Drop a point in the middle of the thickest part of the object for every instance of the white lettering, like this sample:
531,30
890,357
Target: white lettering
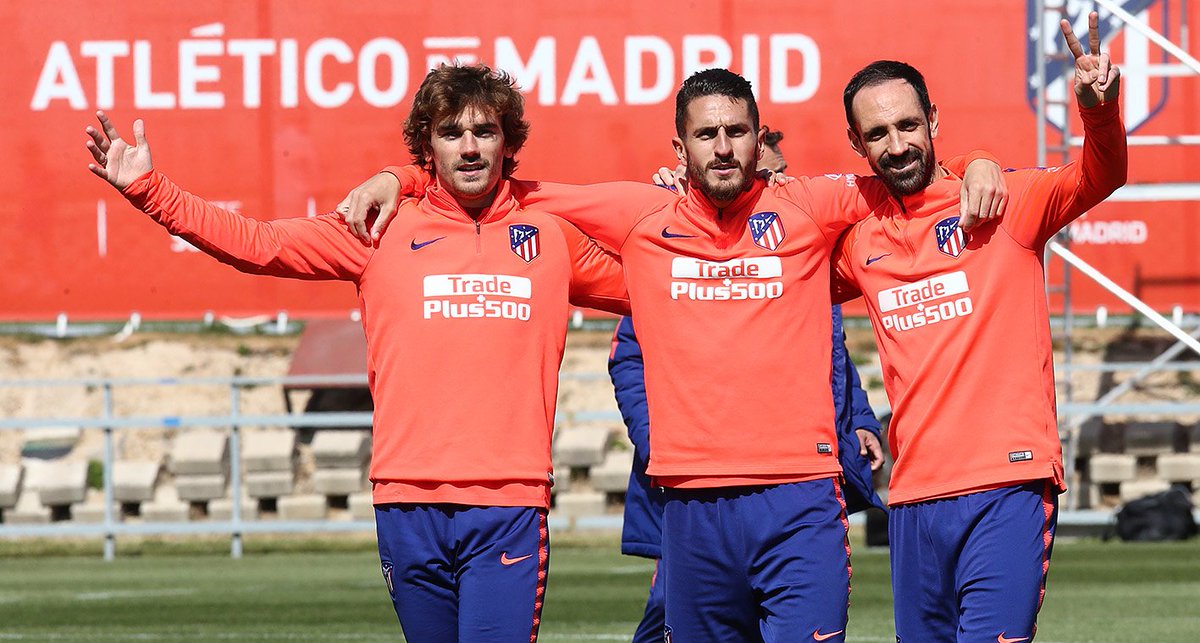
104,51
368,63
929,315
947,285
472,284
810,77
289,74
252,52
589,75
636,91
753,268
705,52
750,61
191,74
58,80
1110,232
144,96
314,60
538,72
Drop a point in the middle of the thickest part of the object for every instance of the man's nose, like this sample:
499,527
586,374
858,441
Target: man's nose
723,145
470,145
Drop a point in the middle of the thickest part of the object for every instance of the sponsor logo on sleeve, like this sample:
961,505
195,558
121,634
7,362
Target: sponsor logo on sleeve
927,302
734,280
473,296
1020,456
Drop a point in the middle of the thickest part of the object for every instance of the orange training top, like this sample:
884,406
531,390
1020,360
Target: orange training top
465,324
962,324
732,309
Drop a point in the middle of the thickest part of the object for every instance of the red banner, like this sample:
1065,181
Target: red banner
277,108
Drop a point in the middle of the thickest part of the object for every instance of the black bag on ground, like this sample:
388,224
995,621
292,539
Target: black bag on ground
1162,516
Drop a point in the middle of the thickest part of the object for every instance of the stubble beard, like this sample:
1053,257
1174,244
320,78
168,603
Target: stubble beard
910,181
716,189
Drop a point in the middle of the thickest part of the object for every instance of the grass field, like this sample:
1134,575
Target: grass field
1098,592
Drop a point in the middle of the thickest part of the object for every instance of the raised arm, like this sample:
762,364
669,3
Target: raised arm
1057,196
302,248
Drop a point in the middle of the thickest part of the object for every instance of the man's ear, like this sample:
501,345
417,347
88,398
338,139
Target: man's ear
855,144
933,121
680,150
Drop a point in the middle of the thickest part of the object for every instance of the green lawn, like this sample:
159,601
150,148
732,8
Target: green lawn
1098,592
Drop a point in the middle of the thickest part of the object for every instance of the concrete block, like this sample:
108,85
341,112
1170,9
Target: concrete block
307,507
269,450
51,442
361,506
612,475
581,446
62,483
562,480
91,511
1135,489
341,449
28,510
10,484
198,452
1153,438
269,484
338,482
165,507
1178,467
1193,436
200,488
578,504
1112,467
134,480
221,509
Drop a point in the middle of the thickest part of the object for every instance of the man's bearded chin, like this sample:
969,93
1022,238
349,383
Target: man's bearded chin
910,181
717,190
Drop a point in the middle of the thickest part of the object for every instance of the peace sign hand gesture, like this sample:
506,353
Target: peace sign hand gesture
118,162
1097,80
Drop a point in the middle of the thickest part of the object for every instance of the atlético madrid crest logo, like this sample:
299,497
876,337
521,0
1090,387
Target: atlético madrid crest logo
951,239
767,230
524,241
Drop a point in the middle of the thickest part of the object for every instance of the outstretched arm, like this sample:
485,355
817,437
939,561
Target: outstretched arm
305,248
1056,196
118,162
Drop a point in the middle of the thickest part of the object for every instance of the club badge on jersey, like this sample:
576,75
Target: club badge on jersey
524,241
951,240
767,230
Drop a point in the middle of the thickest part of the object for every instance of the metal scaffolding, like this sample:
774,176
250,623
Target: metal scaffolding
1051,82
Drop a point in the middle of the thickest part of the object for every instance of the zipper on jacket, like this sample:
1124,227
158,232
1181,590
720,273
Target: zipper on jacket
478,243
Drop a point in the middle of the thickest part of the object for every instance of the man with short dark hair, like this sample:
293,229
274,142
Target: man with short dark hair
731,288
963,331
463,308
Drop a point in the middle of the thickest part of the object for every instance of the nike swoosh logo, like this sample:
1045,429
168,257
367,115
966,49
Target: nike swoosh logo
506,561
672,235
1004,639
417,246
818,636
871,260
